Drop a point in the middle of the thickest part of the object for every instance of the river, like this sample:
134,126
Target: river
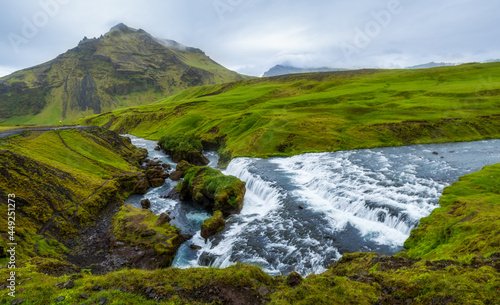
302,213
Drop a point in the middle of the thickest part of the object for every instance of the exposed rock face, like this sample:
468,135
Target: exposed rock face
176,176
213,225
89,78
155,176
145,204
183,166
80,95
162,219
142,185
211,188
180,170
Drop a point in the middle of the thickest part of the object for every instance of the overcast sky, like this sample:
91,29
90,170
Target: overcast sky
251,36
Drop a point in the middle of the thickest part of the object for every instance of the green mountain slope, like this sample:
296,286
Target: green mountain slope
122,68
62,181
329,111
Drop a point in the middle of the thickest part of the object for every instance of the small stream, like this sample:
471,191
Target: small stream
302,213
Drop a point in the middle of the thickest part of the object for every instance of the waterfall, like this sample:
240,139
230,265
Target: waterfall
302,213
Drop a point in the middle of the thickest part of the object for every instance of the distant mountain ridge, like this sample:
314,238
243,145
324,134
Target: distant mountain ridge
444,64
285,69
432,65
125,67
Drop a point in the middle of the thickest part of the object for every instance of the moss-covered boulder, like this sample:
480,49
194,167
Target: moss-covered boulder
180,170
211,188
144,239
213,225
142,185
184,147
183,166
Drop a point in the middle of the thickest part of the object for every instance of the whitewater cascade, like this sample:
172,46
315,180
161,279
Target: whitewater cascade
302,213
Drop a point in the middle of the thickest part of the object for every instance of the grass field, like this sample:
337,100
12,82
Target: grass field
330,111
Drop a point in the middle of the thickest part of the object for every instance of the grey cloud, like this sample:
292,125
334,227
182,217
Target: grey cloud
253,35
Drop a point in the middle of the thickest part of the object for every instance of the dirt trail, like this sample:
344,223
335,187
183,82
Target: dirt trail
13,132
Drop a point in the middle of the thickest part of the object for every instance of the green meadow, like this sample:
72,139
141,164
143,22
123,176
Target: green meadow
294,114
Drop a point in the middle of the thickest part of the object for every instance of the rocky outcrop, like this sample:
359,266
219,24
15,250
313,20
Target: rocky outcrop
212,225
145,204
142,185
180,170
184,148
154,176
144,240
211,188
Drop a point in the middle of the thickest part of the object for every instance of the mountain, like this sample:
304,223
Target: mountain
283,70
125,67
432,65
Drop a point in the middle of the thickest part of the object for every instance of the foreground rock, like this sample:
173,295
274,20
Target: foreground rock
212,225
146,203
144,240
210,188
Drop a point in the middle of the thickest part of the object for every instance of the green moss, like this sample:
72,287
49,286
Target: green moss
213,225
181,142
352,280
210,186
51,249
467,223
184,148
139,227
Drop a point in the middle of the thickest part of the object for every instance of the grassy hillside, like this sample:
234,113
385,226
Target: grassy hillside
415,276
62,181
125,67
329,111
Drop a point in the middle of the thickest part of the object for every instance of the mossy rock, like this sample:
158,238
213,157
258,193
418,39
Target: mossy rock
211,188
184,147
142,229
183,166
213,225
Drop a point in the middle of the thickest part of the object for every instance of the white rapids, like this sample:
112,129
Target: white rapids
302,213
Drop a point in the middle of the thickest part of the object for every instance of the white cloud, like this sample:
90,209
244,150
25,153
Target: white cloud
254,35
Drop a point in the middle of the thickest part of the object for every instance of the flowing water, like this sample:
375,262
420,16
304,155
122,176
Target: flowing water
302,213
